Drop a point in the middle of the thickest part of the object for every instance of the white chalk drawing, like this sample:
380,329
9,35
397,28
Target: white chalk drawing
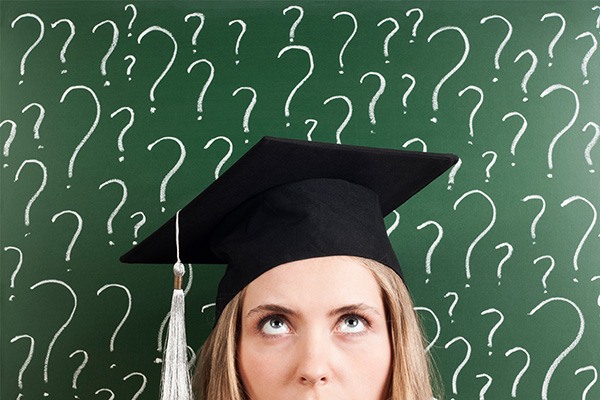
33,46
138,225
240,36
63,326
436,91
132,61
313,126
491,164
308,74
120,325
515,385
246,121
486,386
39,190
555,139
133,17
539,214
63,51
495,327
437,325
504,41
438,239
509,252
200,104
81,366
355,24
225,157
182,154
300,10
202,19
338,132
395,224
413,82
416,140
588,55
453,305
530,71
376,96
113,45
462,363
27,360
142,386
592,383
588,149
38,122
92,128
569,348
558,34
589,229
77,231
19,264
113,214
386,41
547,273
417,22
522,129
475,109
120,145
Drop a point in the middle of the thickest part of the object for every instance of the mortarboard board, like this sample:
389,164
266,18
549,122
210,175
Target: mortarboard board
286,200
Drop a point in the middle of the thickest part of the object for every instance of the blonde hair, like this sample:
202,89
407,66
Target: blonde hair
412,374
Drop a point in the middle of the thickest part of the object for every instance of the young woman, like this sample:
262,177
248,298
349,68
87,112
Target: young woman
312,305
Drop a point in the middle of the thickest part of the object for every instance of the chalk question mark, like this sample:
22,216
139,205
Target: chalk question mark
437,324
376,96
112,394
90,131
491,164
504,41
120,325
225,158
569,348
386,42
558,34
475,109
486,386
338,132
416,140
433,246
417,22
165,181
142,386
515,384
314,123
137,226
591,144
509,253
27,360
530,71
63,326
395,224
113,214
436,90
545,277
80,368
11,136
38,122
409,90
589,386
63,51
169,64
198,29
588,55
75,235
538,216
483,233
297,22
245,123
310,71
206,84
555,139
522,129
39,190
37,41
462,363
239,38
495,327
453,305
18,267
588,231
131,64
340,58
125,129
113,45
133,16
452,174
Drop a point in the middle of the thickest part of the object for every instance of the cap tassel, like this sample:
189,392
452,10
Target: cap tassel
176,382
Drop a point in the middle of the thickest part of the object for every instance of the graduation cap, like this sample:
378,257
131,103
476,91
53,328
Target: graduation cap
286,200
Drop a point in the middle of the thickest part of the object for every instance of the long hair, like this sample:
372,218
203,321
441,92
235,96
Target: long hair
216,376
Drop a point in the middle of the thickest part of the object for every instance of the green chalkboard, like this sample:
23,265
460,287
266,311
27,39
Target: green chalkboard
115,115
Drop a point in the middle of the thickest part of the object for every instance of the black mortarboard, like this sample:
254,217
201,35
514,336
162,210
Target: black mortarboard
287,200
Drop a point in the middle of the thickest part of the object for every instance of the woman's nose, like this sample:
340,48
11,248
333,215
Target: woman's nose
314,359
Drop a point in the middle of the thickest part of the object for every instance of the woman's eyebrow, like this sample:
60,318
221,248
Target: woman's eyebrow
272,308
353,308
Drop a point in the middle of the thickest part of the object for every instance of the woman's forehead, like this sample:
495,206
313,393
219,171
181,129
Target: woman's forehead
328,282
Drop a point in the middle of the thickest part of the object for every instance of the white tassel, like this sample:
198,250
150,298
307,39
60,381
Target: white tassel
176,382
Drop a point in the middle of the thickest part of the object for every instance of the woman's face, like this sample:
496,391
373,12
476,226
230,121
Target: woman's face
314,330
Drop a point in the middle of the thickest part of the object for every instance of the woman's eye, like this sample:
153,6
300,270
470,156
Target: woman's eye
352,324
274,326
